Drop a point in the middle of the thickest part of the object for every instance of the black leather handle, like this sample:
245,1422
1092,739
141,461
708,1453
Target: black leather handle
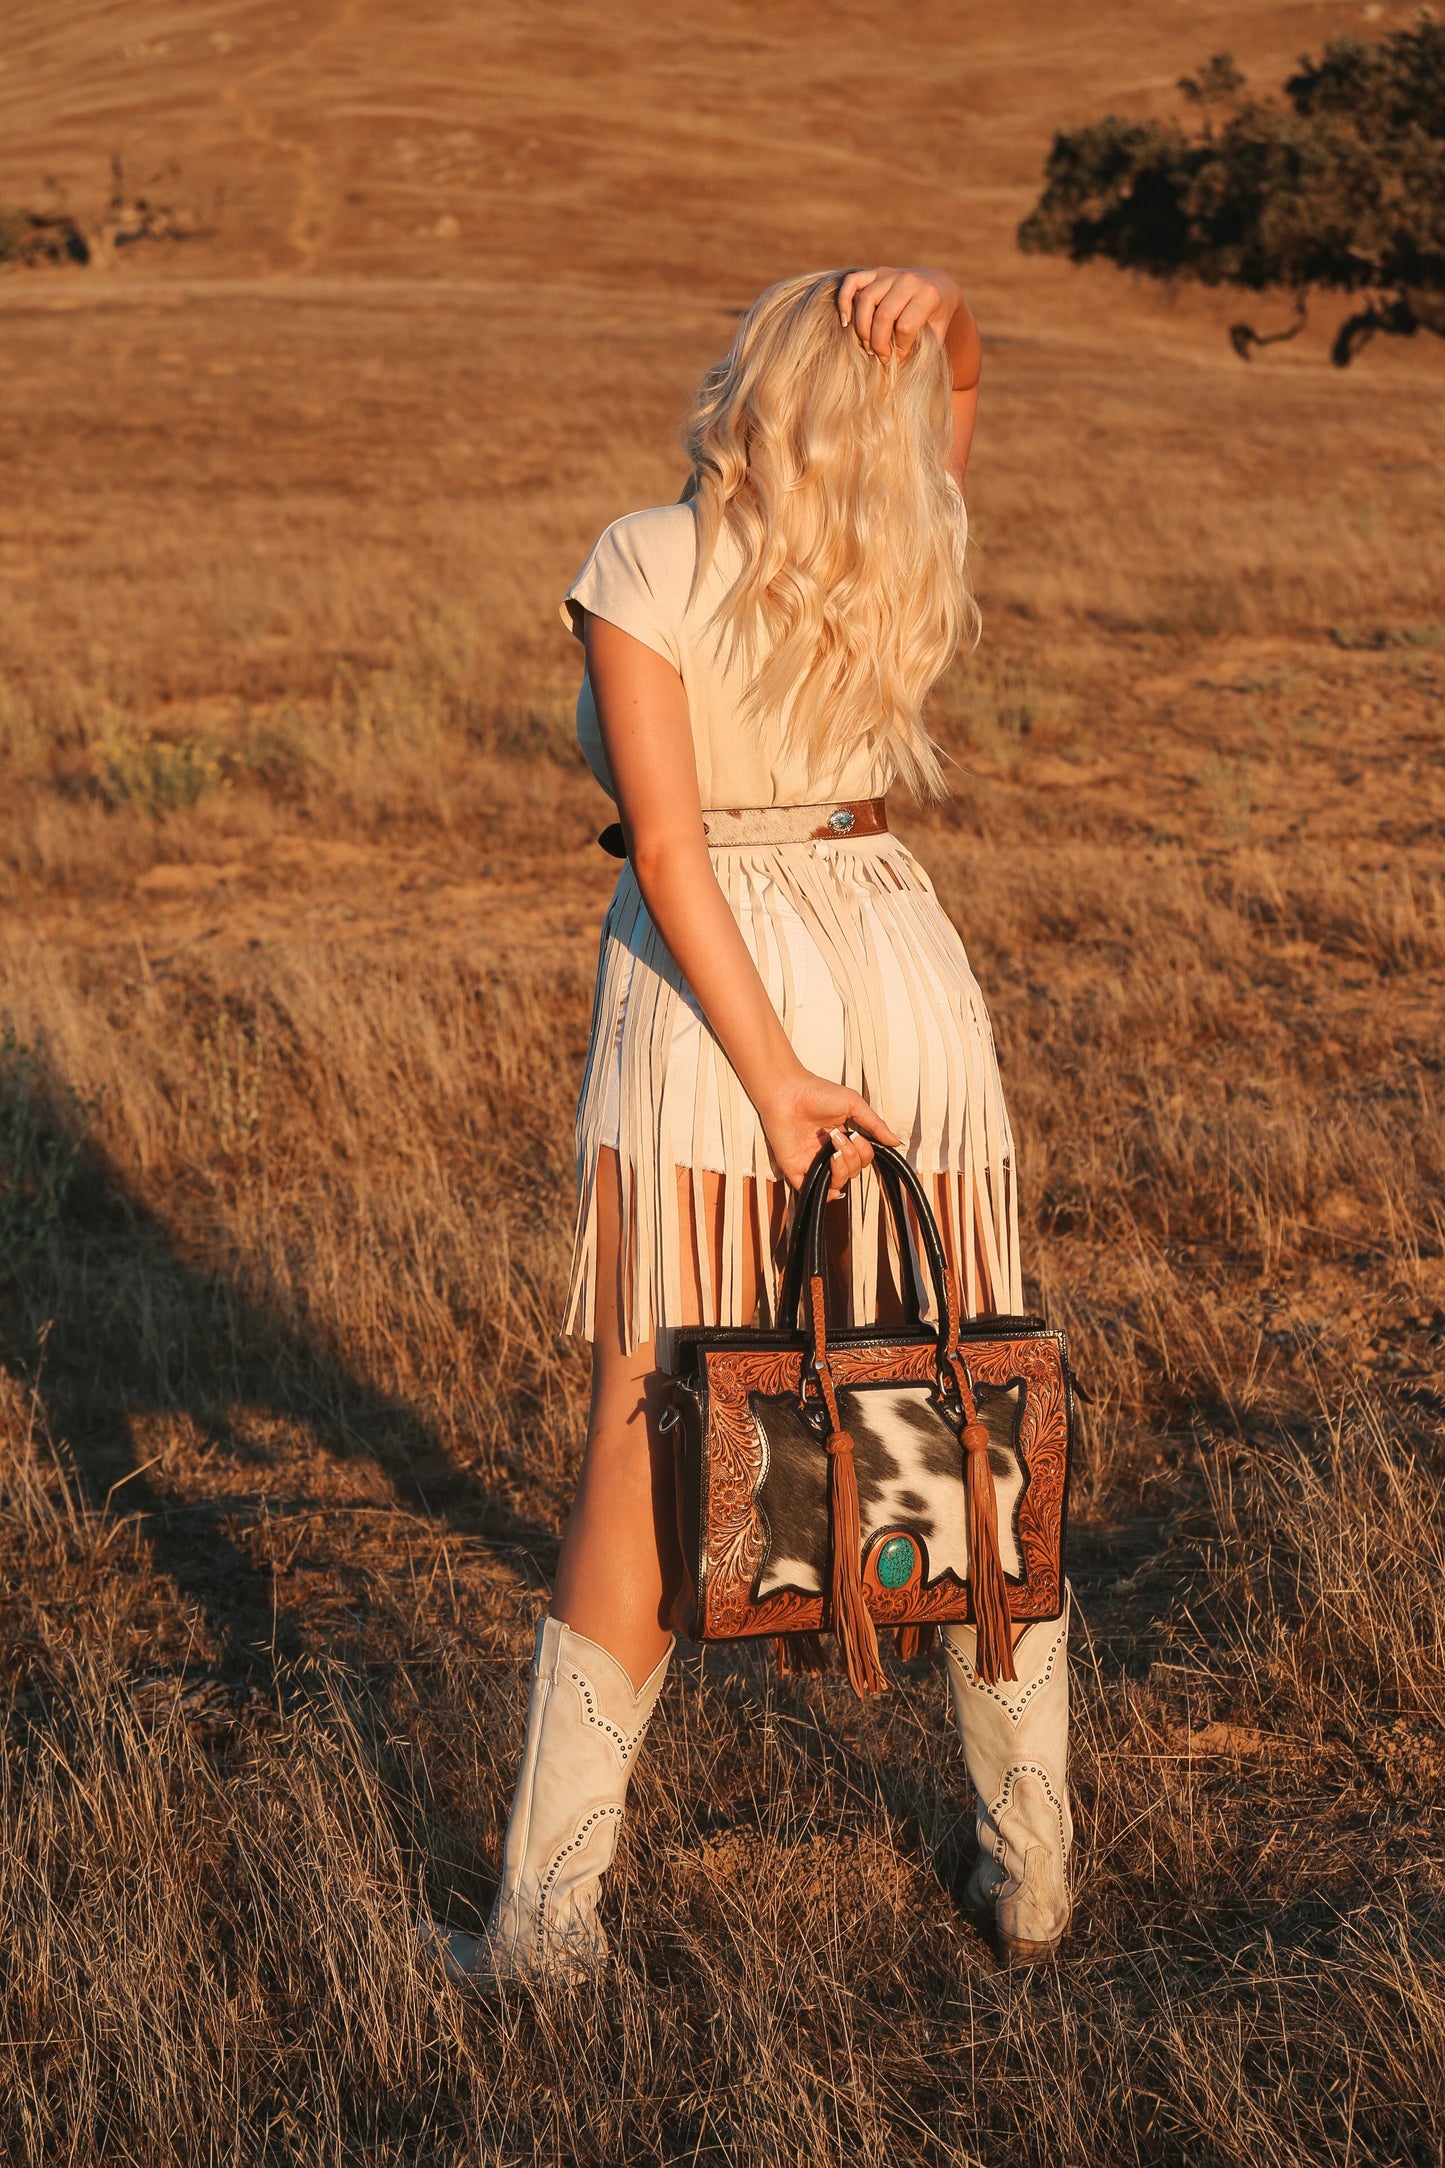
790,1293
898,1176
805,1251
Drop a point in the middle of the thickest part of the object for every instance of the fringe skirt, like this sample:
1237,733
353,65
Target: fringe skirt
874,989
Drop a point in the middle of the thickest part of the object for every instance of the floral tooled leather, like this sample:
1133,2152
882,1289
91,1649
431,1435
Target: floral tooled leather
733,1536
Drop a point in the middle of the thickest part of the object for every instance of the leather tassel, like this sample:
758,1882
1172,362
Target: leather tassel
851,1620
993,1626
915,1641
794,1653
848,1613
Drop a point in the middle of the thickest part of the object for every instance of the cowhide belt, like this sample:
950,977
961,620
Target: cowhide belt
734,827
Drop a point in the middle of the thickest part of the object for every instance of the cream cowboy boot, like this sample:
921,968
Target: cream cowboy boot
584,1725
1015,1740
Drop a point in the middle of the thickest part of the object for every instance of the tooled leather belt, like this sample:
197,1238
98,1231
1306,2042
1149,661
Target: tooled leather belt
728,827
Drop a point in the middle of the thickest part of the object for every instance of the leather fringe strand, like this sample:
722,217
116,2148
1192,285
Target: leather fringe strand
852,1620
993,1625
848,1613
799,1652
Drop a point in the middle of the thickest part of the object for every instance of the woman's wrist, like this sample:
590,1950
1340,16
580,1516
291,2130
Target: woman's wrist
773,1093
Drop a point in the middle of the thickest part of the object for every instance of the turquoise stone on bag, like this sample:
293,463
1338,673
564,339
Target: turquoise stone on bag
895,1562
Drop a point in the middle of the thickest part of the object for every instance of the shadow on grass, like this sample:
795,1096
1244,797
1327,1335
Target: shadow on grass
108,1322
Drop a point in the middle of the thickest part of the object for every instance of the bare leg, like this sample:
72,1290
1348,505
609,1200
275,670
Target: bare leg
619,1562
620,1567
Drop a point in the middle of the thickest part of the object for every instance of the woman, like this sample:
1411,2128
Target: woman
775,973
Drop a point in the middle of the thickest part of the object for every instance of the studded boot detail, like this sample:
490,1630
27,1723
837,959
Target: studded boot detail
1015,1736
584,1726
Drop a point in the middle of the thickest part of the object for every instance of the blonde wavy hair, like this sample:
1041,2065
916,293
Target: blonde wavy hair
828,469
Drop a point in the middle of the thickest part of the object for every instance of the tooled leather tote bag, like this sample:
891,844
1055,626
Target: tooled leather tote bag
842,1479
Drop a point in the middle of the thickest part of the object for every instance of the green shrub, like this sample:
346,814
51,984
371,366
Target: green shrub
157,775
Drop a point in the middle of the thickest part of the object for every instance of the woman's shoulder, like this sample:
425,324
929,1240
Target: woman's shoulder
660,539
639,576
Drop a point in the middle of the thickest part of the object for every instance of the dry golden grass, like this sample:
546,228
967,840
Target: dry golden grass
300,902
282,1499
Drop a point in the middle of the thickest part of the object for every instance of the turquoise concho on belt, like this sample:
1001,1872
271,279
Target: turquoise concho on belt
843,820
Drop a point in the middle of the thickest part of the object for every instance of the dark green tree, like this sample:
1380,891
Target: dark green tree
1340,188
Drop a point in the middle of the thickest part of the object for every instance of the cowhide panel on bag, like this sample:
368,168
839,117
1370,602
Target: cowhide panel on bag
909,1466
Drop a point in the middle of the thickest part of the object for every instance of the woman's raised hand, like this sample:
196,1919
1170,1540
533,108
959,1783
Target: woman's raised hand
889,308
804,1113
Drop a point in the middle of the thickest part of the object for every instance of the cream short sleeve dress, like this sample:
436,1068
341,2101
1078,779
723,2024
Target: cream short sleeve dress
863,965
